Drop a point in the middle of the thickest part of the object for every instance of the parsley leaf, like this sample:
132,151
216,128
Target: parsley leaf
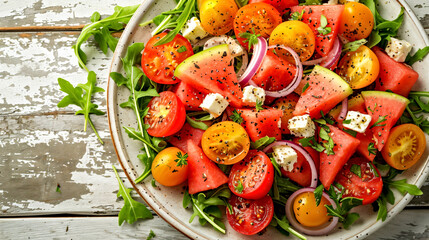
311,142
310,2
251,38
236,117
262,142
181,160
351,132
151,235
75,96
182,49
239,187
318,194
371,149
379,121
356,170
419,55
347,121
323,23
305,87
297,15
132,210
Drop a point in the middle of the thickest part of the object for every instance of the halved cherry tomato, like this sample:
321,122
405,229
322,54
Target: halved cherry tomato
296,35
253,177
404,147
261,18
357,21
287,105
217,15
166,115
367,186
308,213
359,68
250,216
168,168
159,62
226,142
280,5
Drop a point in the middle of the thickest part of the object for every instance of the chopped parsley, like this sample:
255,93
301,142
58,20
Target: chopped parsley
323,23
371,149
236,117
379,121
356,170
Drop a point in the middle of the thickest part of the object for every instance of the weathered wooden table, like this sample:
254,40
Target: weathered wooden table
42,146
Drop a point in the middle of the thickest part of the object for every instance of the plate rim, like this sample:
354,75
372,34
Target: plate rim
115,134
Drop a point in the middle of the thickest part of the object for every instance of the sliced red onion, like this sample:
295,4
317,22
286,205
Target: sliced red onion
344,109
166,30
304,152
315,231
224,117
259,52
314,62
296,80
333,55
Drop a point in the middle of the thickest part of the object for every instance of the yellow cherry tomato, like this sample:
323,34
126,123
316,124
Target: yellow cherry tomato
404,147
296,35
217,16
357,21
170,168
359,68
306,211
225,142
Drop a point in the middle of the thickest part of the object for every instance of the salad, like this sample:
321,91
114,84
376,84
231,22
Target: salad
276,113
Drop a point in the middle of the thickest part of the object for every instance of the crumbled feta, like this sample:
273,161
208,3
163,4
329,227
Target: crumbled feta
285,156
215,104
302,126
346,1
279,123
359,122
398,49
234,46
252,94
332,2
193,31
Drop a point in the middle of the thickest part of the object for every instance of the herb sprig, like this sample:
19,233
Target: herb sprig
415,110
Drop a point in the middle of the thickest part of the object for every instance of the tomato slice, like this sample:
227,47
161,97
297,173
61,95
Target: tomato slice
250,216
225,142
253,177
166,115
159,62
404,147
367,186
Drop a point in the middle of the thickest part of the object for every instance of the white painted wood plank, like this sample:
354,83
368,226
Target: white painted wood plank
409,224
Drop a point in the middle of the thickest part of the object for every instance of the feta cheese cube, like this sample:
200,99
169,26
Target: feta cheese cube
302,126
215,104
234,46
398,49
252,94
285,156
331,2
193,31
359,122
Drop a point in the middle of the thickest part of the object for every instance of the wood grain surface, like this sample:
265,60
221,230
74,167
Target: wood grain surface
42,146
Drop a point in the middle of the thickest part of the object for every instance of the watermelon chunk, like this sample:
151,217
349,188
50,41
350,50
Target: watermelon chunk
325,90
187,132
203,174
394,76
330,165
311,17
190,96
212,70
385,109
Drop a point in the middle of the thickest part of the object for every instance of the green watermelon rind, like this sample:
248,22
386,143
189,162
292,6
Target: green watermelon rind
338,81
386,95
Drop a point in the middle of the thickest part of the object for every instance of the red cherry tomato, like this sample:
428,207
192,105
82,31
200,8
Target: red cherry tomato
367,186
252,177
280,5
159,62
250,216
166,115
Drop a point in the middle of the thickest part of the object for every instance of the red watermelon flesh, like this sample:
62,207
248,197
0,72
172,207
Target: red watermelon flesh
212,70
311,17
394,76
325,90
330,165
385,108
203,174
190,96
187,132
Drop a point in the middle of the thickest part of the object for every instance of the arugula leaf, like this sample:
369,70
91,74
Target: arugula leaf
318,194
356,170
236,117
371,149
181,160
379,121
262,142
75,96
382,209
349,131
403,187
196,124
151,235
251,38
284,224
311,142
353,46
241,3
323,23
419,55
153,183
132,210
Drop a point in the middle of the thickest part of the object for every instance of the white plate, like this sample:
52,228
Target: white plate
167,202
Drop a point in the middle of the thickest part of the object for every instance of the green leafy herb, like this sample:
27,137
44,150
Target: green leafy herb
58,188
151,235
297,15
311,142
323,23
318,192
305,87
310,2
371,149
379,121
328,144
239,187
259,105
236,117
262,142
353,46
419,55
356,170
283,223
181,160
241,3
327,119
347,121
373,169
153,183
372,111
76,97
415,110
182,49
196,124
251,38
132,210
276,166
351,132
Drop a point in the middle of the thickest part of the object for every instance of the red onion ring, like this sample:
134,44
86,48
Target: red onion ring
310,231
259,52
314,62
166,30
224,117
304,152
344,109
296,80
333,55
